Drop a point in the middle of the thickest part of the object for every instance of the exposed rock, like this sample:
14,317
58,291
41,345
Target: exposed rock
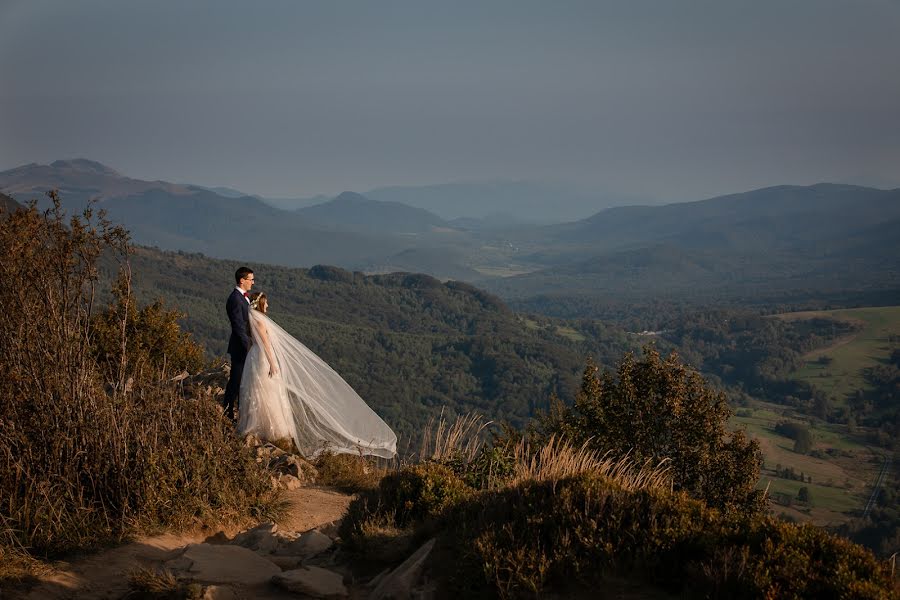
399,584
378,578
307,545
289,482
331,529
285,563
261,539
218,592
223,564
312,581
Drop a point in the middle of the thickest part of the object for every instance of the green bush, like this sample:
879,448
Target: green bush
349,473
538,538
655,409
403,500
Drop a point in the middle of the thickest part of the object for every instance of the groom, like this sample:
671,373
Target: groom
238,309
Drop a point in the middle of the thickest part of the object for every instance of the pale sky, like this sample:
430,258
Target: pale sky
668,99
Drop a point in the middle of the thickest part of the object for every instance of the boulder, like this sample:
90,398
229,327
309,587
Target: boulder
289,482
306,546
290,464
261,539
312,581
222,565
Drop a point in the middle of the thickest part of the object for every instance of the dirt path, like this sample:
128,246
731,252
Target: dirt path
104,575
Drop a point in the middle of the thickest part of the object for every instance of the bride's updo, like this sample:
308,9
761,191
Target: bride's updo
258,301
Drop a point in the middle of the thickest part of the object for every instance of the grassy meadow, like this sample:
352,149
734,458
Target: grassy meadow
842,474
843,375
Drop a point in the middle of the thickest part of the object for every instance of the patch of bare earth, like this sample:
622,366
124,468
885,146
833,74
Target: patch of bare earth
104,575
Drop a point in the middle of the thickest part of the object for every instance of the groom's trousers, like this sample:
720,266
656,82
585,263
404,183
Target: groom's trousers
233,389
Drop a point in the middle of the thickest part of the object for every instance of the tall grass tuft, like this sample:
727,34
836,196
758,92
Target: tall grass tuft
558,459
460,440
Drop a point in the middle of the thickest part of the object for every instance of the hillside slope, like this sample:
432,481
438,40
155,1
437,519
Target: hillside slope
409,344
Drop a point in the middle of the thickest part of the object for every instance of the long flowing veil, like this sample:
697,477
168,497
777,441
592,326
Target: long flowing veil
326,413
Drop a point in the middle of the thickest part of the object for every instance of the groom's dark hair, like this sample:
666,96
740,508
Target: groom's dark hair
241,273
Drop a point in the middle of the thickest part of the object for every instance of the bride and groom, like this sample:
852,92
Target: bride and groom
283,390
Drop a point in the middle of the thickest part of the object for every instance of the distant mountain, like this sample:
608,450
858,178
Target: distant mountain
190,218
7,204
527,202
786,214
354,212
294,203
226,192
79,181
768,243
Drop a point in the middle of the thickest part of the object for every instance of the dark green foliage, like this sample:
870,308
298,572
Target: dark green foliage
409,344
536,537
569,536
654,410
407,498
798,432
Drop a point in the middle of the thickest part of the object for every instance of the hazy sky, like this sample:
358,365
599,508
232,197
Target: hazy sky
675,99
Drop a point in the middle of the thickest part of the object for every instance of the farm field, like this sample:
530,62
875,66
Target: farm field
842,375
843,469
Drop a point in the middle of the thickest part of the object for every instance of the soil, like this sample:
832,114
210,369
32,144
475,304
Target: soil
104,574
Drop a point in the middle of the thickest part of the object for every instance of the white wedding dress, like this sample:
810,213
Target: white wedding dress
306,400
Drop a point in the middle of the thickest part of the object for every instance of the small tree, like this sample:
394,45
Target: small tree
655,409
802,441
803,496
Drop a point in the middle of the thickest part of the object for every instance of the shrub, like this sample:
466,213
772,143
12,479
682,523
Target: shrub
404,499
529,539
348,472
656,409
85,459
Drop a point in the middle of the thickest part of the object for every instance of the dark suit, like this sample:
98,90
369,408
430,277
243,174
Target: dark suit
239,343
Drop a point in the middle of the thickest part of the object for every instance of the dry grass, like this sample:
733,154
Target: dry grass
350,473
558,459
161,584
93,448
461,440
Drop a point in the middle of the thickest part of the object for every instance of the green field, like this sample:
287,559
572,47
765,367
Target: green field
843,376
841,480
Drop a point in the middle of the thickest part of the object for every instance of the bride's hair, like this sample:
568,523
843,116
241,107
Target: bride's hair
258,301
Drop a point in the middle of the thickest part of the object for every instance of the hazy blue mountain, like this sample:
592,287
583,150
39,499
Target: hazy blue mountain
352,211
529,202
767,242
799,239
8,204
190,218
226,192
790,214
78,180
294,203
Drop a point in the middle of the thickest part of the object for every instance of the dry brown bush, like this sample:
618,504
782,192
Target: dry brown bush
88,452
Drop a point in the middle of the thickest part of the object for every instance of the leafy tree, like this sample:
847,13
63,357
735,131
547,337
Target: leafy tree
803,441
804,496
655,409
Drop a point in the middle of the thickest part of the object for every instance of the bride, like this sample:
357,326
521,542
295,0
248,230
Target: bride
289,392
